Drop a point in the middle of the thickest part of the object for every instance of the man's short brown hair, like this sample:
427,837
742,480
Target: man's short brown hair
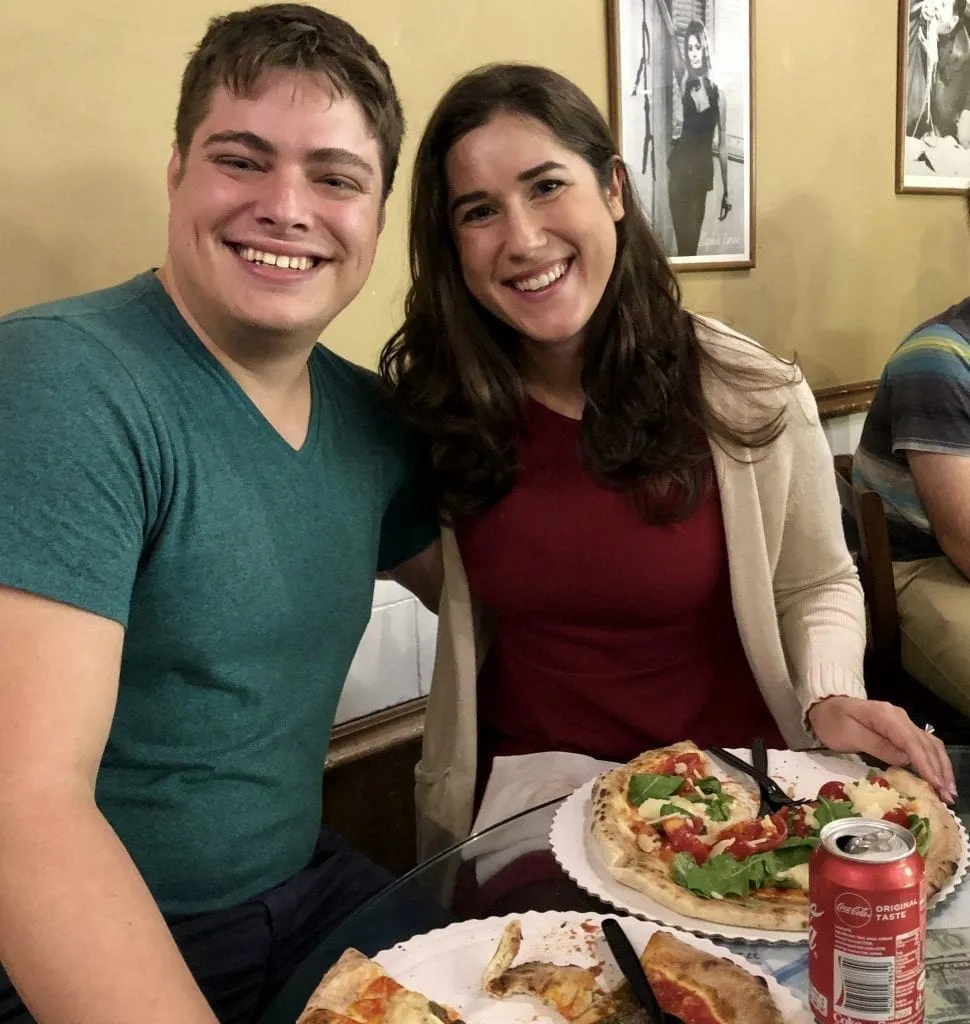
238,49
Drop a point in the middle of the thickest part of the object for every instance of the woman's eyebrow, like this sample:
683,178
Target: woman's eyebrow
532,172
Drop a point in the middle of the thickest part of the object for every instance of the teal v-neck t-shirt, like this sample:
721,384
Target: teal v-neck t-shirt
139,482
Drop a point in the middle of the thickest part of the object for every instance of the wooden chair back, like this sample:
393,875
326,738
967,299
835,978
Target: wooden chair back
875,564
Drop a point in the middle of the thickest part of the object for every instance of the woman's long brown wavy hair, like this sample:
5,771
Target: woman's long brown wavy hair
453,366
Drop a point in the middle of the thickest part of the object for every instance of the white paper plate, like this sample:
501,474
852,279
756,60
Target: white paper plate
446,965
800,774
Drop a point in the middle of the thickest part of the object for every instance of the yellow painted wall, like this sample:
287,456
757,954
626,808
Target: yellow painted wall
844,265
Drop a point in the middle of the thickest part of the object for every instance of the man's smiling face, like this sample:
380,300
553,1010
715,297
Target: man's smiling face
275,210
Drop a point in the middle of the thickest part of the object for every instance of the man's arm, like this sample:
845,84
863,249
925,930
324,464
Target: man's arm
423,575
80,935
943,484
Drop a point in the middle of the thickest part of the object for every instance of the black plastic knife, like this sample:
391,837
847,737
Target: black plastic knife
629,963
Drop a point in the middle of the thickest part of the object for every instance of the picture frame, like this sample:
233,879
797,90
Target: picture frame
933,97
682,110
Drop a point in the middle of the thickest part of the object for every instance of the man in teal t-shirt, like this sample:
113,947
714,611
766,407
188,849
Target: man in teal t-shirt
196,498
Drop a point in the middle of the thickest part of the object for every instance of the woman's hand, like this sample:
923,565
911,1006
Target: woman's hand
853,725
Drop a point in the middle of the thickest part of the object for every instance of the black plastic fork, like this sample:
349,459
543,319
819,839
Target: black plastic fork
759,761
771,793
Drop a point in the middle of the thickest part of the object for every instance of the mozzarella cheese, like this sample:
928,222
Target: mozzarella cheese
870,800
406,1007
810,818
648,843
650,808
740,809
797,874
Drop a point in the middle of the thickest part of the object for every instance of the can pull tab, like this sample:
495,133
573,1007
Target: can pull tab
876,841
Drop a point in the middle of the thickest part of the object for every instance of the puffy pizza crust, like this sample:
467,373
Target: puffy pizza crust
340,986
946,846
733,995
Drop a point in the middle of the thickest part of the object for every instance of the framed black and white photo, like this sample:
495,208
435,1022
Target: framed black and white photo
933,96
681,108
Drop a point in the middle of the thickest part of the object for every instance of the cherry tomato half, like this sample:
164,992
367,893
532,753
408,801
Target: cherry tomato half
752,837
833,791
897,816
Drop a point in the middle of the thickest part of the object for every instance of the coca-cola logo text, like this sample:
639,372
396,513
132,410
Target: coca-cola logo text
853,910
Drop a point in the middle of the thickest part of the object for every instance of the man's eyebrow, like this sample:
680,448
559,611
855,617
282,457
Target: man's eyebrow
249,139
336,155
323,155
528,175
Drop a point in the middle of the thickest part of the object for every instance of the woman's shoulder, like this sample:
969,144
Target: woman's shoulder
742,378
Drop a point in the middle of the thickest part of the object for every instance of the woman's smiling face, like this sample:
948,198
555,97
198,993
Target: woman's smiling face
534,228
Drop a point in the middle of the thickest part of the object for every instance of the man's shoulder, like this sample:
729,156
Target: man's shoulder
358,390
937,343
102,323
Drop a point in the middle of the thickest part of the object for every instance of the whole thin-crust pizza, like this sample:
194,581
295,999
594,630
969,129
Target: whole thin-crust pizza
691,840
357,990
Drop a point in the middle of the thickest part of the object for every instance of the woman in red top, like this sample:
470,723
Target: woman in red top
546,354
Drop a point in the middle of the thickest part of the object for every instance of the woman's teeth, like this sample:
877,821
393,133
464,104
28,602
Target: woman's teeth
533,284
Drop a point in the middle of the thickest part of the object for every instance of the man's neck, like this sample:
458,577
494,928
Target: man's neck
273,373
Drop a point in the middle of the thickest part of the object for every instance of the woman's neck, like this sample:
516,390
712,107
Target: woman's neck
552,375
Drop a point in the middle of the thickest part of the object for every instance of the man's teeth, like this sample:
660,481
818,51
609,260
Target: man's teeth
533,284
273,260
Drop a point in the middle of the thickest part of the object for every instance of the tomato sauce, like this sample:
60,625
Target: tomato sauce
679,1000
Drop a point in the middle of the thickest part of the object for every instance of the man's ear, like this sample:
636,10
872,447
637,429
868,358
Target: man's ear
173,176
382,217
614,190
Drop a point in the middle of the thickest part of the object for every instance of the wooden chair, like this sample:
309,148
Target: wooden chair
886,679
875,563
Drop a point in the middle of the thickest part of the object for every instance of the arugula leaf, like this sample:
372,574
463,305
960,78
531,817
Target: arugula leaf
791,841
920,827
674,809
785,857
683,863
721,874
832,810
717,810
710,784
645,785
729,877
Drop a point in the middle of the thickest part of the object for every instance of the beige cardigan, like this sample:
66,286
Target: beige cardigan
794,587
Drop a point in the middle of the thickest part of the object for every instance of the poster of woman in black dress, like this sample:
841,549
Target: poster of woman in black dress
691,166
682,112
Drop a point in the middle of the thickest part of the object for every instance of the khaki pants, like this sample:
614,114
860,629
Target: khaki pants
934,618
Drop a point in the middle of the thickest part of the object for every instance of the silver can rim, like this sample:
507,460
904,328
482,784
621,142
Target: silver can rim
834,830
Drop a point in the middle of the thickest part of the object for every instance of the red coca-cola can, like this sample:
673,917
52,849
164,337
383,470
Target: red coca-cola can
867,927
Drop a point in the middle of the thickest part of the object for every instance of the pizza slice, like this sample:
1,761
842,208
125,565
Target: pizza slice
697,987
357,990
704,989
571,991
